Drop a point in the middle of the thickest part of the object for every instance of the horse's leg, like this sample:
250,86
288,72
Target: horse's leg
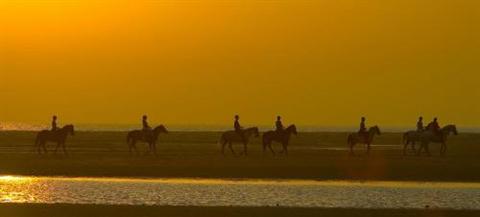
39,148
271,149
443,149
231,149
413,146
245,148
285,148
427,149
351,148
130,147
223,147
405,148
56,148
419,151
44,145
148,149
368,148
134,146
264,147
64,148
154,145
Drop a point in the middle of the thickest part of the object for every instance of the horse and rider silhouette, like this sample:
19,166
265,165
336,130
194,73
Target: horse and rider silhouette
363,136
433,133
280,135
238,135
55,135
241,135
146,135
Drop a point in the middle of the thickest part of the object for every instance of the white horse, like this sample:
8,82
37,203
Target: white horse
429,136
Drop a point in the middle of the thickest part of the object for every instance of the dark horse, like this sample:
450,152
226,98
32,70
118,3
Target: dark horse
58,136
280,137
355,138
150,138
232,136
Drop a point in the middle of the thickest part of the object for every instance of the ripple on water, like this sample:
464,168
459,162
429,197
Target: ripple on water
218,192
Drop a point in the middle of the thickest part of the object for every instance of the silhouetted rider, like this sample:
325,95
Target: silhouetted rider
420,124
434,126
238,128
363,129
278,125
54,123
145,125
146,128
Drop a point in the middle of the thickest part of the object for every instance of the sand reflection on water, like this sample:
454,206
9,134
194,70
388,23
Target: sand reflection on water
219,192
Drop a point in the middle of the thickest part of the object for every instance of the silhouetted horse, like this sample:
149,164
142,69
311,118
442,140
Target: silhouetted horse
409,138
150,138
59,136
356,138
280,137
232,136
429,136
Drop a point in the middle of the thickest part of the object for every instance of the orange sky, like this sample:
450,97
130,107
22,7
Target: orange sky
314,62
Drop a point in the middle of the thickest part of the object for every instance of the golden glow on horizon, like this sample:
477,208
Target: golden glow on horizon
313,62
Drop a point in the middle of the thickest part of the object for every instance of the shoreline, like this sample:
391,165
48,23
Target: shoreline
312,156
243,179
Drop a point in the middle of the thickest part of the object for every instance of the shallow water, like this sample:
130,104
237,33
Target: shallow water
218,192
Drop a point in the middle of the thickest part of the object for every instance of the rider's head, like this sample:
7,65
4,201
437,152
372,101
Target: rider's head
435,119
279,118
144,117
237,117
363,118
54,117
420,118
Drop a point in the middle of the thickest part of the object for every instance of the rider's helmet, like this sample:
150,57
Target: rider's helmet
363,118
54,117
278,117
237,117
144,117
435,119
421,118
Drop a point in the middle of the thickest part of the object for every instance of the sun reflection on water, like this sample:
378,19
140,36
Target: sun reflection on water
237,192
17,189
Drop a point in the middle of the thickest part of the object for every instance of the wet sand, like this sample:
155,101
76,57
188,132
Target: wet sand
197,154
54,210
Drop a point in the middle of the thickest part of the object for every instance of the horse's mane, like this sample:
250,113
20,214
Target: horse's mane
159,126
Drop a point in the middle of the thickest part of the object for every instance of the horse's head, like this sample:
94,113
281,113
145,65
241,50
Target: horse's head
160,129
450,129
375,129
70,129
292,129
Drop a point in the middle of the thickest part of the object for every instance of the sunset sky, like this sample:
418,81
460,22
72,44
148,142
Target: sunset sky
319,62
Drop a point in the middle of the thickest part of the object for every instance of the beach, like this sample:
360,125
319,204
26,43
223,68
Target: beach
312,156
318,156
